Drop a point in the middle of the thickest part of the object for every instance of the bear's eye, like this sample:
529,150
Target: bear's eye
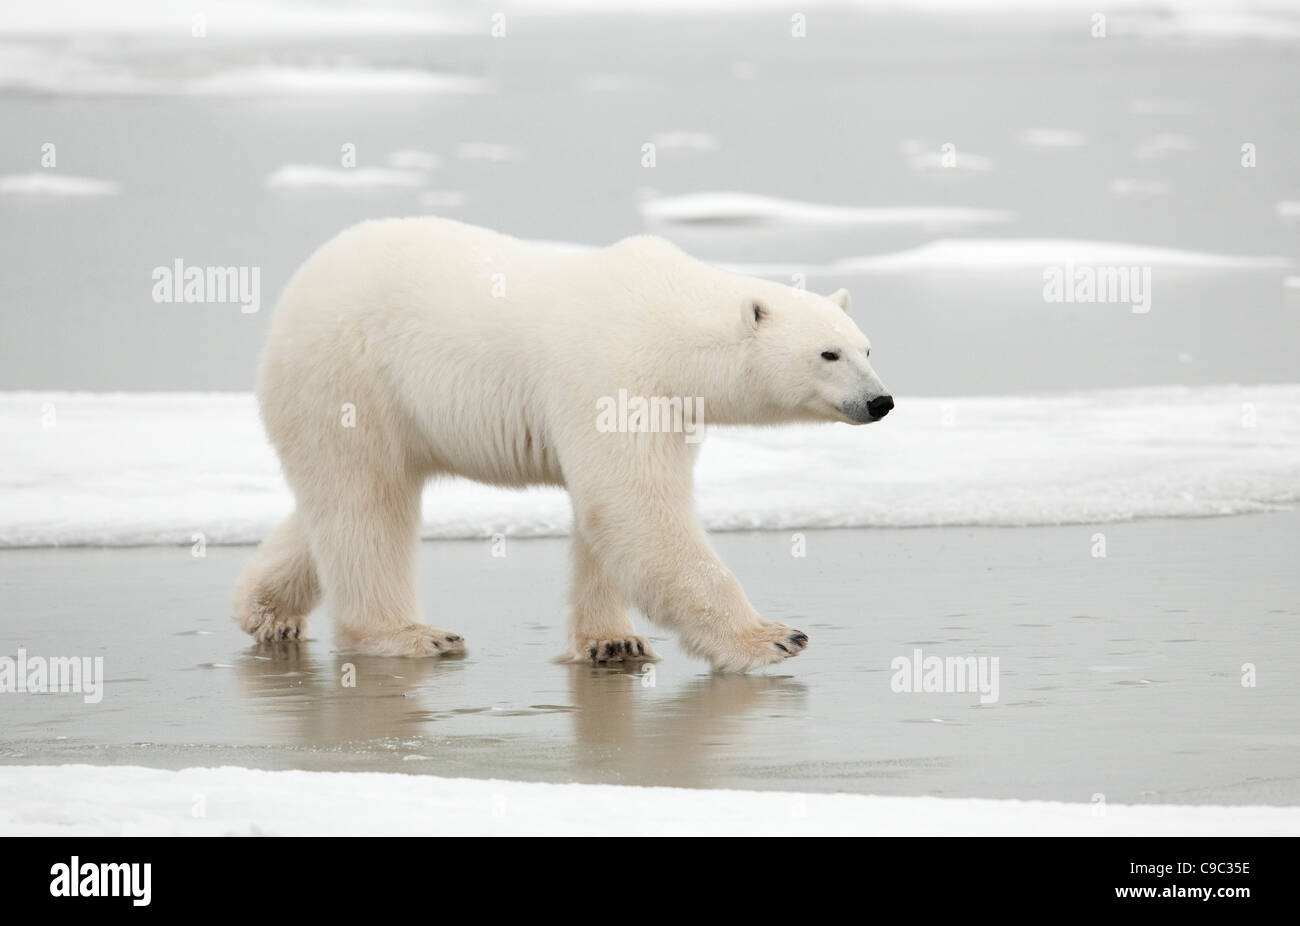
830,355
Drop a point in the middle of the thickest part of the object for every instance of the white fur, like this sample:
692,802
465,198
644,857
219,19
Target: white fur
399,319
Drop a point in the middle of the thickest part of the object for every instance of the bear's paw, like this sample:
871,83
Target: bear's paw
762,645
630,648
414,640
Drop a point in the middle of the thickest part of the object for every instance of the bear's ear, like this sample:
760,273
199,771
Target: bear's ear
841,298
752,313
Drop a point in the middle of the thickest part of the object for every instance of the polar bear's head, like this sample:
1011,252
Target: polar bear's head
808,358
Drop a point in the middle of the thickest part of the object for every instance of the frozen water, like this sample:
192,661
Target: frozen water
160,468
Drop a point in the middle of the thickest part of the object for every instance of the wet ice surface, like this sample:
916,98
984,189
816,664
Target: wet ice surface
1119,675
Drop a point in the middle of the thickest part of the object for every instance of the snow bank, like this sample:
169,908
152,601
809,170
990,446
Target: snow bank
340,80
52,183
1133,186
85,800
1036,253
29,70
977,255
1052,138
748,208
145,468
318,176
1245,18
287,19
691,141
413,159
487,151
292,19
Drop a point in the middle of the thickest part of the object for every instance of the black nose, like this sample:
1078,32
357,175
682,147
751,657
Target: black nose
880,406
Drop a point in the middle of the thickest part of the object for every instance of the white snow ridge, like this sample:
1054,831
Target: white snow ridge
82,800
49,183
729,208
1036,253
318,176
121,470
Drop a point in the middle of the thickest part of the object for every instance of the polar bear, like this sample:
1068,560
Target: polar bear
409,348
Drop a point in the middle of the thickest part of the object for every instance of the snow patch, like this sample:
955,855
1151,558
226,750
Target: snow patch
443,199
487,151
1129,186
1015,253
1162,145
728,208
38,70
413,159
84,800
693,141
48,183
238,18
1052,138
318,176
155,468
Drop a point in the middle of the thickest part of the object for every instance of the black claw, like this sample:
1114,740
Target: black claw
800,637
782,648
436,644
591,652
640,648
453,639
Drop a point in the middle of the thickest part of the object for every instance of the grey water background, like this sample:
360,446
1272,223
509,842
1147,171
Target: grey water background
822,119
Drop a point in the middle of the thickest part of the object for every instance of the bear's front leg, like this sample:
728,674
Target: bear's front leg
600,630
654,550
707,606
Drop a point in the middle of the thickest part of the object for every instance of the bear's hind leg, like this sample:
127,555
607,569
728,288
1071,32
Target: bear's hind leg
279,587
600,629
364,535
